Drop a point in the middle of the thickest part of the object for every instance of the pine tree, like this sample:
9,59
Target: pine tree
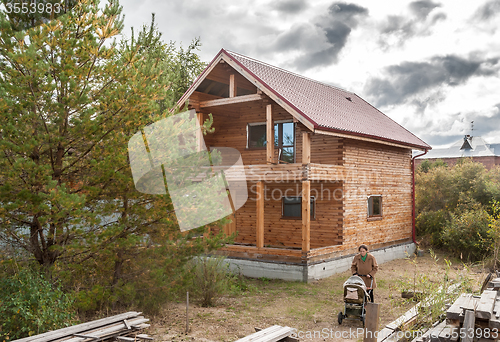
70,98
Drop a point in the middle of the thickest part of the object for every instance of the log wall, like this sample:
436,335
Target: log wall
326,228
376,169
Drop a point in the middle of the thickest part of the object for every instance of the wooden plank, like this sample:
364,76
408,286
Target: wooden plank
434,334
86,336
260,215
371,322
306,216
231,100
495,319
468,326
256,336
456,309
125,339
445,334
269,134
145,337
486,303
69,331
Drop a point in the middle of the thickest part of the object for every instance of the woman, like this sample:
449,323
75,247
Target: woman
365,266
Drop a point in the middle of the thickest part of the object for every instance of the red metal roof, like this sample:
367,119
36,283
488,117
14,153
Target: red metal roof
326,107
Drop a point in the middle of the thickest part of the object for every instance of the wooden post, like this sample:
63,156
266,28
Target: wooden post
199,134
260,215
371,322
232,86
306,148
469,321
187,312
306,216
269,134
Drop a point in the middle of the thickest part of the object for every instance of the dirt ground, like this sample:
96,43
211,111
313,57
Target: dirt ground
311,309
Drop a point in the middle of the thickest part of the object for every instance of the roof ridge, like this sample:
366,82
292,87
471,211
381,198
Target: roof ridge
289,72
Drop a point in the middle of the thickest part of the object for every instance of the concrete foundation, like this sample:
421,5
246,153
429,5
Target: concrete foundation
314,271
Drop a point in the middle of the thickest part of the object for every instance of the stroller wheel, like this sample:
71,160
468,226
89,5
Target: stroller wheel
340,317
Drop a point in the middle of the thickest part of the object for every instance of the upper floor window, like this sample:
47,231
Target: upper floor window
284,138
375,206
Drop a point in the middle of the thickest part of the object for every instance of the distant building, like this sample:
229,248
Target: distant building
469,147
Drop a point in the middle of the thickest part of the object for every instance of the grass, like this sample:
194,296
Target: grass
304,306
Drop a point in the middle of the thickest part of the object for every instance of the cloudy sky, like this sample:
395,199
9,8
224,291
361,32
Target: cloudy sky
432,66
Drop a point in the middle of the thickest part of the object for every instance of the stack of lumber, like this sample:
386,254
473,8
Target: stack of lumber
392,331
124,327
272,334
470,318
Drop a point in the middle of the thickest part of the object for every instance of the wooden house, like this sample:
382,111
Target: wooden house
325,170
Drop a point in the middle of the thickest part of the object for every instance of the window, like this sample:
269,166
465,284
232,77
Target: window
375,206
292,207
284,138
257,135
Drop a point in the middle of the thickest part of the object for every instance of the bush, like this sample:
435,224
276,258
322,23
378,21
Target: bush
31,305
431,223
209,279
467,235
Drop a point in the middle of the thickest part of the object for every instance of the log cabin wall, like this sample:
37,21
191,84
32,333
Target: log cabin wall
376,169
325,149
326,227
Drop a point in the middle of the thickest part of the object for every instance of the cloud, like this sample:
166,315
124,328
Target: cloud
290,6
397,29
326,40
422,8
485,123
487,11
407,79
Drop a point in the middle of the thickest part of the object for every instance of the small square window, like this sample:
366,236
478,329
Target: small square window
292,207
375,206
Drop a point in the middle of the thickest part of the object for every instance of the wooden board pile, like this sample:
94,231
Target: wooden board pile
470,318
124,327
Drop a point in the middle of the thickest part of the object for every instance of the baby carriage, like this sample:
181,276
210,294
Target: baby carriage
355,298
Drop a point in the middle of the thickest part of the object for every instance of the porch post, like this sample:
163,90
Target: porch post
232,86
199,134
306,216
269,134
260,215
306,148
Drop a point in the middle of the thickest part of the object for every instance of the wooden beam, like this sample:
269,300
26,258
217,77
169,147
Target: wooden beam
260,215
306,216
306,148
269,134
231,100
371,323
199,134
232,86
469,321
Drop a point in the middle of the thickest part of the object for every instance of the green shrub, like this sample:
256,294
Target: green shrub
467,234
209,279
31,305
431,223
